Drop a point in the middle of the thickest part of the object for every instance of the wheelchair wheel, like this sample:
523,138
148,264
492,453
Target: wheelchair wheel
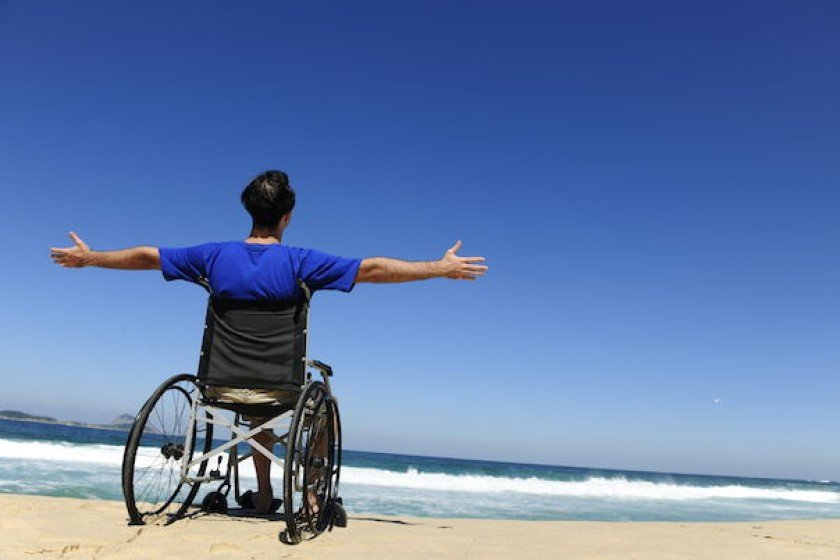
311,470
151,471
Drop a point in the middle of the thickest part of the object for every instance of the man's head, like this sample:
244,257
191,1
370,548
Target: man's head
269,199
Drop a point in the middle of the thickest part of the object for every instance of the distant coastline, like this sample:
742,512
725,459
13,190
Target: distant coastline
122,423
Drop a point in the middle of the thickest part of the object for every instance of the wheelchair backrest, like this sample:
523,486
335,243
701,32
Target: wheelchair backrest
254,344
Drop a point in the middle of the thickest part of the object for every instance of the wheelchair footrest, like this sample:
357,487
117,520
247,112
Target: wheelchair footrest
340,515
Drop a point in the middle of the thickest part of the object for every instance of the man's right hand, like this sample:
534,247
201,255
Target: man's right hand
461,268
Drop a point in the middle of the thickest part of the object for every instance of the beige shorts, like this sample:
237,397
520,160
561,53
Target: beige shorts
253,396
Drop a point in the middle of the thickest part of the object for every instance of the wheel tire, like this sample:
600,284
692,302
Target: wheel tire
150,427
336,446
314,405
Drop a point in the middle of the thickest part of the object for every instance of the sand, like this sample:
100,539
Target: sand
40,527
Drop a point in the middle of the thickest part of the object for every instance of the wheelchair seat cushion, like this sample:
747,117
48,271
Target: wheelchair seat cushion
237,395
257,406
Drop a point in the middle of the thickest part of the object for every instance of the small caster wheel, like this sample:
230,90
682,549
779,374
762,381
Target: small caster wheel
286,537
214,502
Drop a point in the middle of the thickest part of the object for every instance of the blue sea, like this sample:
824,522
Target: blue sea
55,460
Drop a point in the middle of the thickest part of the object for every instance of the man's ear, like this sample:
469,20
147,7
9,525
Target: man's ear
285,219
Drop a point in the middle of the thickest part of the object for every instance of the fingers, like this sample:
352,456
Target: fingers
64,261
476,269
455,248
469,272
79,243
473,259
63,256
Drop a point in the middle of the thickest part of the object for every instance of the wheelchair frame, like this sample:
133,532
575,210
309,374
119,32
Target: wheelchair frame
241,435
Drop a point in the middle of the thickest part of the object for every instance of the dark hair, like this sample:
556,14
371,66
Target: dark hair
268,198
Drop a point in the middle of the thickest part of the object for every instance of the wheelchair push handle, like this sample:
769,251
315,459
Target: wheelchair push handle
320,366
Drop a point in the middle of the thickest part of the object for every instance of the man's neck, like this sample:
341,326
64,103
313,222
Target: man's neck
261,236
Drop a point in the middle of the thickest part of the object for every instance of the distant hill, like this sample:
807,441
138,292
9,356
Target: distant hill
18,415
121,422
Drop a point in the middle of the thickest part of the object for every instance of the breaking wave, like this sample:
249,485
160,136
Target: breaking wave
599,487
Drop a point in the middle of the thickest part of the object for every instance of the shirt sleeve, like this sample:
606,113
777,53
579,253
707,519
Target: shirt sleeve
322,271
185,263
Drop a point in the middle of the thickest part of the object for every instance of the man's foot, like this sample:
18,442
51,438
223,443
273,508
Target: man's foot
250,500
266,503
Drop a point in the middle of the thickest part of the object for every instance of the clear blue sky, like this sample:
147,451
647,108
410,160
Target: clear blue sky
654,184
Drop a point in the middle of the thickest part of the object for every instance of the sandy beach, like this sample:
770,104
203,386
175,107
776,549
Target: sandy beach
34,526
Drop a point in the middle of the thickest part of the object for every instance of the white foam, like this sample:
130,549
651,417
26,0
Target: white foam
65,452
594,487
61,451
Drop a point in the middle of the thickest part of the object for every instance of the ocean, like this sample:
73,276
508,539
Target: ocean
56,460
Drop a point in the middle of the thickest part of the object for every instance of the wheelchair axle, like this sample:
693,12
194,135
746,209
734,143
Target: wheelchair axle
172,451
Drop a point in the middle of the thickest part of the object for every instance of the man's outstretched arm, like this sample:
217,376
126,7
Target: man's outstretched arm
136,258
384,269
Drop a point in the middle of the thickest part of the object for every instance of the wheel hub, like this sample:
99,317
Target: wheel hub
172,451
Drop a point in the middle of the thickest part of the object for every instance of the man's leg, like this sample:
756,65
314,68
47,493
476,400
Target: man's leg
262,465
266,438
320,449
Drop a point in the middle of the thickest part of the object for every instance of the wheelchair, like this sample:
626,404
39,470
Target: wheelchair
184,432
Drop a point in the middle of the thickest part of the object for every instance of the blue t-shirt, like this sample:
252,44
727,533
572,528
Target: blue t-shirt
251,271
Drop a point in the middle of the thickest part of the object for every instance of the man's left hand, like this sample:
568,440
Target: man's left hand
72,257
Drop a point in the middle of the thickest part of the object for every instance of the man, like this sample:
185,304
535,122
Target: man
261,268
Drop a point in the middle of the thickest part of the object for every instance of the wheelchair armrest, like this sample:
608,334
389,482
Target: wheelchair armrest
321,366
